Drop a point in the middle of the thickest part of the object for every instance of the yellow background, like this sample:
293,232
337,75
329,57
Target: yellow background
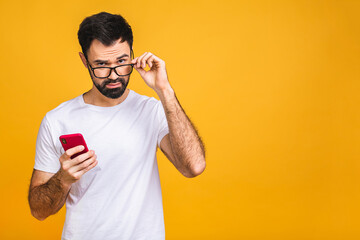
272,86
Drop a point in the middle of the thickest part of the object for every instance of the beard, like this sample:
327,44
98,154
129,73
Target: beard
112,92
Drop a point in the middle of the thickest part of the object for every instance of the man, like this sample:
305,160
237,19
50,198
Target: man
113,190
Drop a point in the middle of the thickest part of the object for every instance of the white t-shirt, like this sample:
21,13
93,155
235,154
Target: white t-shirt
121,197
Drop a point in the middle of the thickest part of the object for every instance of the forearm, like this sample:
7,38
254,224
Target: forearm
186,144
48,198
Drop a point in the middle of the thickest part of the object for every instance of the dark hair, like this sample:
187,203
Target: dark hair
106,28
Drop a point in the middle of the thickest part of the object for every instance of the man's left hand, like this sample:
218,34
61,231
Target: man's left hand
156,76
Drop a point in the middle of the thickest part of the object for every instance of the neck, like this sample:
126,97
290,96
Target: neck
94,97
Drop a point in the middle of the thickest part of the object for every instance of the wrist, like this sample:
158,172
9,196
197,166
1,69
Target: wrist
60,177
166,93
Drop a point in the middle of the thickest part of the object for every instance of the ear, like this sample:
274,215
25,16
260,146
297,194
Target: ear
83,59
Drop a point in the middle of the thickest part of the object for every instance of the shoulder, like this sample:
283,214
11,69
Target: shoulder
63,108
147,106
143,100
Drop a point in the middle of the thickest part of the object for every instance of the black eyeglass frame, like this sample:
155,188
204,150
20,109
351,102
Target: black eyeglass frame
113,68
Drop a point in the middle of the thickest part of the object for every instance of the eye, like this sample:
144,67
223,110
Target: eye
121,61
100,64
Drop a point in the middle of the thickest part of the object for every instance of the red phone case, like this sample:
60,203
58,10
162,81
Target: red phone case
72,140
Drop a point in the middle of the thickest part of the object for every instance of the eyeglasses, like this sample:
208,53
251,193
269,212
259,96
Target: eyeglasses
104,72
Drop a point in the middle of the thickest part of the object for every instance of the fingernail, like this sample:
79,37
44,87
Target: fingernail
82,147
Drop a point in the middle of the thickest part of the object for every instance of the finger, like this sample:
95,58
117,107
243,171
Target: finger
134,60
70,163
82,157
140,70
158,60
84,170
150,61
71,151
153,60
144,60
84,164
139,60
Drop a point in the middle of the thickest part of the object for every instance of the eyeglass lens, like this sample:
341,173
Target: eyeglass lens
120,70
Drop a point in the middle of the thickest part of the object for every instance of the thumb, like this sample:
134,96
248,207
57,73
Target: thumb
140,70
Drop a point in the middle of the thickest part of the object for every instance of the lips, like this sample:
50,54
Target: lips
113,85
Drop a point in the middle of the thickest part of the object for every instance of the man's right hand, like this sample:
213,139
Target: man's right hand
72,169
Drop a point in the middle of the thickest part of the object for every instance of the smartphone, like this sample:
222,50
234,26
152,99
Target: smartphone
72,140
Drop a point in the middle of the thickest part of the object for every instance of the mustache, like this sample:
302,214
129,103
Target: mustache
118,80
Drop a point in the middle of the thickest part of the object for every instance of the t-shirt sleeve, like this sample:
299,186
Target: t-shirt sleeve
46,156
163,128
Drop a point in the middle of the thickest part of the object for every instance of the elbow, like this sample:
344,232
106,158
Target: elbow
197,169
35,208
38,217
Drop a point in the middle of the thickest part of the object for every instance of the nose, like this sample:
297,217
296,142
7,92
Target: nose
113,75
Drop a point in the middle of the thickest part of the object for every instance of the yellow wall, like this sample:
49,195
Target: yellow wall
272,86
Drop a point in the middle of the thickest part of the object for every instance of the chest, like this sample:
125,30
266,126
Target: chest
117,138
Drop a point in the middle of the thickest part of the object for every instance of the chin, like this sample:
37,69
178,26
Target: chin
115,93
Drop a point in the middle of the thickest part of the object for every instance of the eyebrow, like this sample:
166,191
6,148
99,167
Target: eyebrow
105,61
